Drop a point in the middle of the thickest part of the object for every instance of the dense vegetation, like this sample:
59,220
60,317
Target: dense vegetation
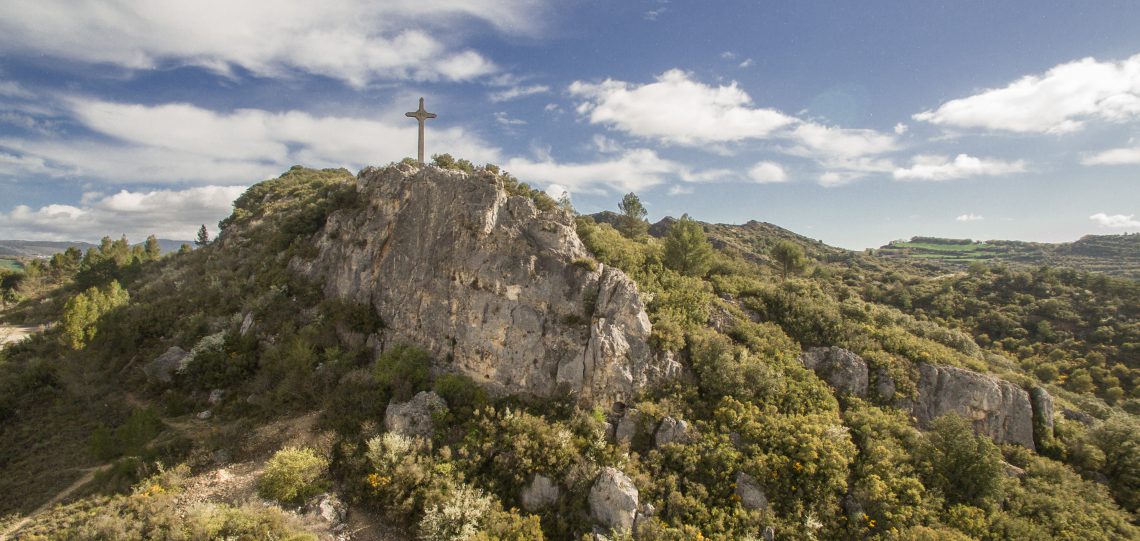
736,306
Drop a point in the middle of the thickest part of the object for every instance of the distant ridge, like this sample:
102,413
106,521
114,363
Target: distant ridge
47,248
1117,255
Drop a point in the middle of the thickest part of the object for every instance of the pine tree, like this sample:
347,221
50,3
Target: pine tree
632,224
203,237
789,257
687,249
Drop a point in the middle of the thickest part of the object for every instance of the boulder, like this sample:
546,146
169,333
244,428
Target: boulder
672,430
541,493
843,370
997,408
750,492
487,282
613,500
332,510
216,396
414,417
205,415
1078,416
163,367
628,427
884,384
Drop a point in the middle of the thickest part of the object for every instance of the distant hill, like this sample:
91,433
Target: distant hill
11,249
38,248
1117,255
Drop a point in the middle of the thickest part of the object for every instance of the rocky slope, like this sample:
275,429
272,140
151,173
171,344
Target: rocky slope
501,289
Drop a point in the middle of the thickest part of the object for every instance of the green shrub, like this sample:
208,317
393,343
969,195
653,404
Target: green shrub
292,475
964,466
457,518
403,371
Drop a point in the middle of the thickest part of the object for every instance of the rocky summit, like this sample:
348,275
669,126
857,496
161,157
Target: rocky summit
494,286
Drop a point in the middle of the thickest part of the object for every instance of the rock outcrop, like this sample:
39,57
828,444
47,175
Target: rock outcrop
1042,403
541,493
163,367
414,417
500,288
613,500
843,370
671,430
998,408
751,494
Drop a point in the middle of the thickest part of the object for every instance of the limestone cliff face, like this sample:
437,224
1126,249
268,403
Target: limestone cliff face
491,285
998,408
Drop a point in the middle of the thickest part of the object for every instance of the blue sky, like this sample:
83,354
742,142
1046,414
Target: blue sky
852,122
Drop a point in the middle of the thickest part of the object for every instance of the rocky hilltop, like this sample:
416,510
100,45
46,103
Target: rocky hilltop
500,288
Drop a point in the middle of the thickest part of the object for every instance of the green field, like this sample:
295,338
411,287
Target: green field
10,264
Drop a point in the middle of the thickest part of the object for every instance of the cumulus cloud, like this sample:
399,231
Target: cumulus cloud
185,143
677,109
633,170
516,92
901,128
357,41
165,213
970,218
767,172
1062,100
938,168
1116,221
1116,156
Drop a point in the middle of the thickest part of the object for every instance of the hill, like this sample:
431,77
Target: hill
442,352
1117,255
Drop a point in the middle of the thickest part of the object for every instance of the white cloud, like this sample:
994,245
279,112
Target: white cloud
767,172
606,145
937,168
677,109
185,143
728,55
970,218
516,92
680,189
556,191
12,89
652,15
1062,100
357,41
901,128
746,63
502,118
633,170
1115,220
1116,156
164,213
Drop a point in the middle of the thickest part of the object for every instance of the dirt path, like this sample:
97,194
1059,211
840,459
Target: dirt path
87,476
15,333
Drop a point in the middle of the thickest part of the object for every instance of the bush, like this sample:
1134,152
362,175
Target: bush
966,467
458,518
403,371
292,475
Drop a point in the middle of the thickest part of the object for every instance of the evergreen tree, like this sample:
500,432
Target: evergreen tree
632,222
153,250
687,249
203,237
789,257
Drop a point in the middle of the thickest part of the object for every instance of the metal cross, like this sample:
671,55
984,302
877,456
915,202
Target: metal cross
421,115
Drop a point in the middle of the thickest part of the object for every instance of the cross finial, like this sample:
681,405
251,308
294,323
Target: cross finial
421,115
